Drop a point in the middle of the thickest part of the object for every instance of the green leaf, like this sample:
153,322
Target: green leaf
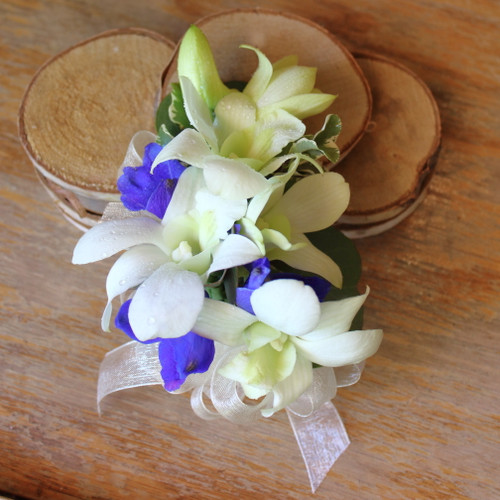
216,293
230,284
330,130
342,251
164,136
162,112
171,117
177,112
326,137
303,145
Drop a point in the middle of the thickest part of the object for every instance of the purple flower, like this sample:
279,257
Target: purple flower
182,356
122,322
143,190
179,357
259,270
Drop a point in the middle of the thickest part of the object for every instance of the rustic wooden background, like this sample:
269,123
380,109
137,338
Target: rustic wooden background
424,420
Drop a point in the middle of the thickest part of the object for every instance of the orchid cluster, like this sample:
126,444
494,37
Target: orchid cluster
228,238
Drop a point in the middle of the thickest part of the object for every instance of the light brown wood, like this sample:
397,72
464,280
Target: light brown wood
423,420
393,163
279,34
84,105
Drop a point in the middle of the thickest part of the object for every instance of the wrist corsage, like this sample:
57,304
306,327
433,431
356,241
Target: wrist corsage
234,283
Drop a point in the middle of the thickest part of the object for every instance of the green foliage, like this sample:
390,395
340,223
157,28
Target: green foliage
322,143
171,117
326,137
344,253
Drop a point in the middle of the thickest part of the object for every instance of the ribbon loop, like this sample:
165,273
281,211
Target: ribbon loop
130,365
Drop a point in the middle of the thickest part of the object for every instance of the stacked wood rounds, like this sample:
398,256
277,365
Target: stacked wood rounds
391,167
82,109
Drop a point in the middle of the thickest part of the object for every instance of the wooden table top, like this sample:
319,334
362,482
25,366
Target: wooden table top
423,420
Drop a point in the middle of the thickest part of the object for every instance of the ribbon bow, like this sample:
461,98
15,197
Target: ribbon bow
316,424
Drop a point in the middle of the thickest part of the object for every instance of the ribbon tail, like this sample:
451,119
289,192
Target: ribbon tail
322,438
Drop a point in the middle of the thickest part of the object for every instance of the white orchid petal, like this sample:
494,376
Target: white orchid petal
336,317
309,258
198,112
262,76
183,228
129,271
234,112
184,199
285,62
288,390
315,202
198,263
232,179
257,204
226,211
339,350
106,317
304,105
167,304
250,230
273,131
113,236
259,334
287,82
287,305
235,250
276,163
132,268
260,370
189,146
223,322
274,237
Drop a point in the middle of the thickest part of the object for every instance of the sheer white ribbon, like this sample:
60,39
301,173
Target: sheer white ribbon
316,424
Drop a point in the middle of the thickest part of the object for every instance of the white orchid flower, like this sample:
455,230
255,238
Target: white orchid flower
169,260
240,130
287,86
276,222
290,331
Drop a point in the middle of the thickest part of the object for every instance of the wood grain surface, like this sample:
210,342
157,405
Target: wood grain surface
423,420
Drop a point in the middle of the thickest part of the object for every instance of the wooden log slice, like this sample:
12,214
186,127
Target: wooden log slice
390,168
83,107
281,34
